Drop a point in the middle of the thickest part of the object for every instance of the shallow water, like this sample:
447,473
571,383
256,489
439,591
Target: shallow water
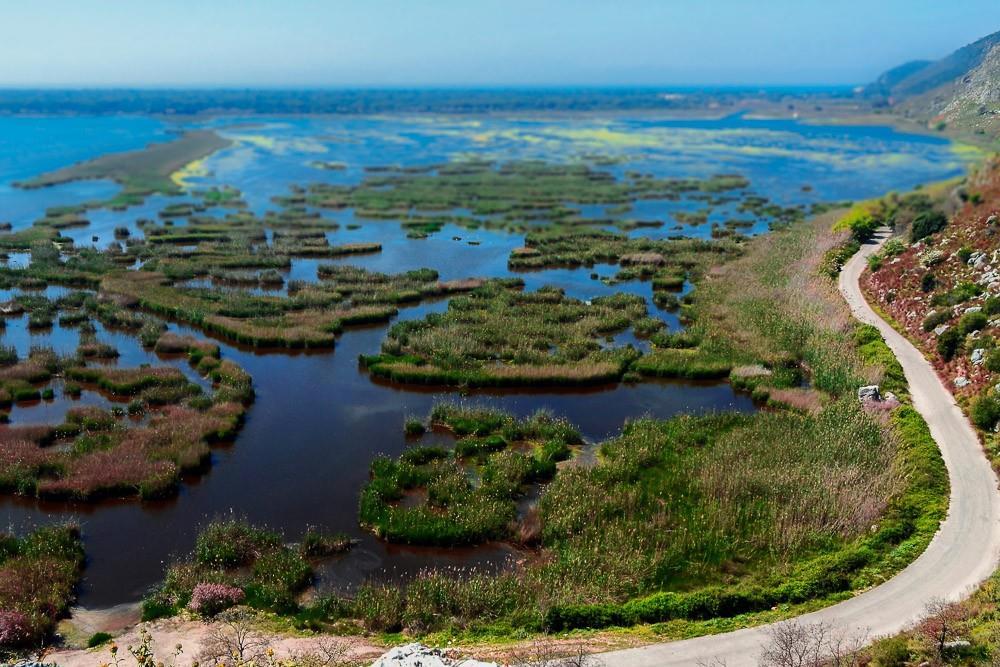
303,454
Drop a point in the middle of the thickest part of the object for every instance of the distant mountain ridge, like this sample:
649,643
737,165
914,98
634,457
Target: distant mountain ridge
961,89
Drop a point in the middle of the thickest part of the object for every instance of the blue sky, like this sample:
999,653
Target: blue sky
475,42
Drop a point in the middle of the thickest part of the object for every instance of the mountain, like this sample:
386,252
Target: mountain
922,76
885,84
961,90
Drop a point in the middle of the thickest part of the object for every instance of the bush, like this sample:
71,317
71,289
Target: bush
970,322
948,344
927,223
993,361
928,282
380,607
891,652
317,543
98,639
414,428
860,222
936,319
985,412
232,543
209,599
15,629
157,605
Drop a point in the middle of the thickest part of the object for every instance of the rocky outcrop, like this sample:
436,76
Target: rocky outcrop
978,92
418,655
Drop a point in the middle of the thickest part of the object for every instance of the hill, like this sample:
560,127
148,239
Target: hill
961,90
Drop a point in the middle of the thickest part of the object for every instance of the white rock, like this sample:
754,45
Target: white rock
869,393
973,309
962,381
940,329
978,356
418,655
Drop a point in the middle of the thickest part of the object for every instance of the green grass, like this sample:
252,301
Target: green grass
500,336
39,573
235,553
468,494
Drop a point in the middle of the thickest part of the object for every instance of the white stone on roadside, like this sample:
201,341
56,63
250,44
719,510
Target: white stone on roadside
869,393
962,381
418,655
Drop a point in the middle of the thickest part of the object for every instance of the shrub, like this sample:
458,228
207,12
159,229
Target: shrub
209,599
993,360
935,319
317,543
157,605
98,639
991,306
948,343
861,222
414,428
970,322
8,355
15,629
928,282
958,294
985,412
891,652
927,223
232,543
380,607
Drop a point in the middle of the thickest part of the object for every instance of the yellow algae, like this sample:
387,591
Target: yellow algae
195,169
609,137
967,152
258,140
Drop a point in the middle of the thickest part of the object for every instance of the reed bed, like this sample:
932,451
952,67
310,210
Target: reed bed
499,335
102,453
253,564
465,495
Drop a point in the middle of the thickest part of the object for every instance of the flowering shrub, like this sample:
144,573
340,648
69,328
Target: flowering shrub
15,629
209,599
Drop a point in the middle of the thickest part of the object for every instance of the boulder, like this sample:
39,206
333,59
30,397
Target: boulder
869,393
418,655
962,381
978,356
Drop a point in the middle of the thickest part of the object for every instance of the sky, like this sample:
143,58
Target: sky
333,43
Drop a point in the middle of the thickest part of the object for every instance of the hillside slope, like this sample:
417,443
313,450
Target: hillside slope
943,290
920,77
961,90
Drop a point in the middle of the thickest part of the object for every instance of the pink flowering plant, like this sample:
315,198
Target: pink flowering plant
209,599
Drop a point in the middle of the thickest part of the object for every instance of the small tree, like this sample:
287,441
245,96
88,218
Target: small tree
794,644
942,624
544,653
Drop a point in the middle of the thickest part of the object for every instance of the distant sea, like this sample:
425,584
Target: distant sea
223,101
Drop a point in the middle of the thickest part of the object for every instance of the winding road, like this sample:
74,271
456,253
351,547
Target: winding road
961,556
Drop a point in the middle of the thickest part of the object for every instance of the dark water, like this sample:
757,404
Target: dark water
303,454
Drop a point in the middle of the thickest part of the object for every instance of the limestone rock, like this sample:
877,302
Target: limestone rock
869,393
418,655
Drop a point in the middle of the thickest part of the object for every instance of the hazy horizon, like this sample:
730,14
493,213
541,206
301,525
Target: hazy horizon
487,44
